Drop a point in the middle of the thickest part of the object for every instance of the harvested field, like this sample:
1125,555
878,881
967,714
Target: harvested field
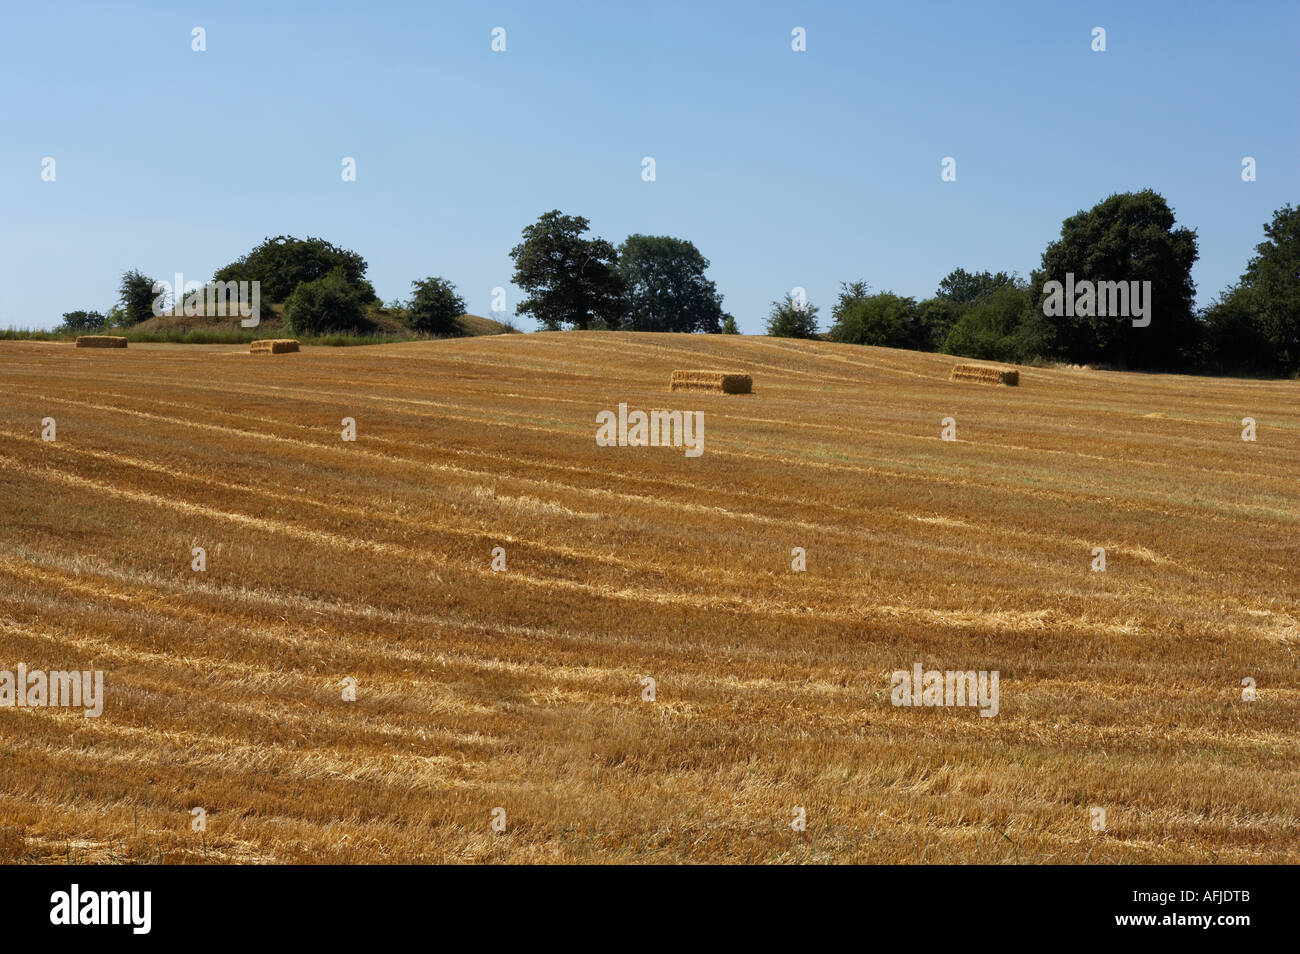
329,560
720,382
274,346
985,374
100,341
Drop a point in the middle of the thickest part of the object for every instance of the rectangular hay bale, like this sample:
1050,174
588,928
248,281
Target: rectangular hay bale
718,382
100,341
984,374
273,346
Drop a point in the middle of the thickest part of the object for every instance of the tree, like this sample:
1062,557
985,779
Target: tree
729,325
965,288
851,293
791,319
83,320
934,319
1126,237
884,319
330,303
1234,338
137,297
435,307
569,279
1272,282
996,328
284,262
665,288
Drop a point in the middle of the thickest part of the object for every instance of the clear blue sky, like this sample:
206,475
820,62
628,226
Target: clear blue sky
786,169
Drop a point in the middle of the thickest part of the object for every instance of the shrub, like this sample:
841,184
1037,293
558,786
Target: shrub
83,321
435,308
997,328
328,304
885,319
790,319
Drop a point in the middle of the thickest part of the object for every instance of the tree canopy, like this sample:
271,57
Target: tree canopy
284,262
1127,237
569,279
665,286
792,319
435,307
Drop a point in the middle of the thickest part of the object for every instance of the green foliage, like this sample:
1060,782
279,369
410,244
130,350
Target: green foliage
1272,280
83,321
137,297
569,279
789,319
966,288
884,319
934,319
729,325
328,304
283,262
1127,237
665,287
996,328
435,307
1234,337
851,294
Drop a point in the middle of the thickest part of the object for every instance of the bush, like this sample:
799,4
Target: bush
885,320
789,319
435,308
934,319
1235,342
83,321
997,328
328,304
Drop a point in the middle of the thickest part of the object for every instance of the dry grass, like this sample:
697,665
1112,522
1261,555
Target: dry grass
274,346
718,382
522,689
100,341
984,374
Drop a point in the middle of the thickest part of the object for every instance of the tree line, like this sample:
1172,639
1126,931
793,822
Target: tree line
658,283
322,288
1251,327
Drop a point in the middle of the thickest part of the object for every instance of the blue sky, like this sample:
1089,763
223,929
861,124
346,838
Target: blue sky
785,168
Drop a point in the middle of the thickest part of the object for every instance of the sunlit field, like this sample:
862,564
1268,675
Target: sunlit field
644,676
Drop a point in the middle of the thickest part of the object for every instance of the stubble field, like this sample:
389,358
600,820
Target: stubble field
522,689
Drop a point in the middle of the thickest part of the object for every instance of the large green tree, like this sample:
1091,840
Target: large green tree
284,262
569,279
665,285
1127,237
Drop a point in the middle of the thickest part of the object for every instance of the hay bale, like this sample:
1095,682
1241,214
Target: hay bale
719,382
273,346
984,374
100,341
